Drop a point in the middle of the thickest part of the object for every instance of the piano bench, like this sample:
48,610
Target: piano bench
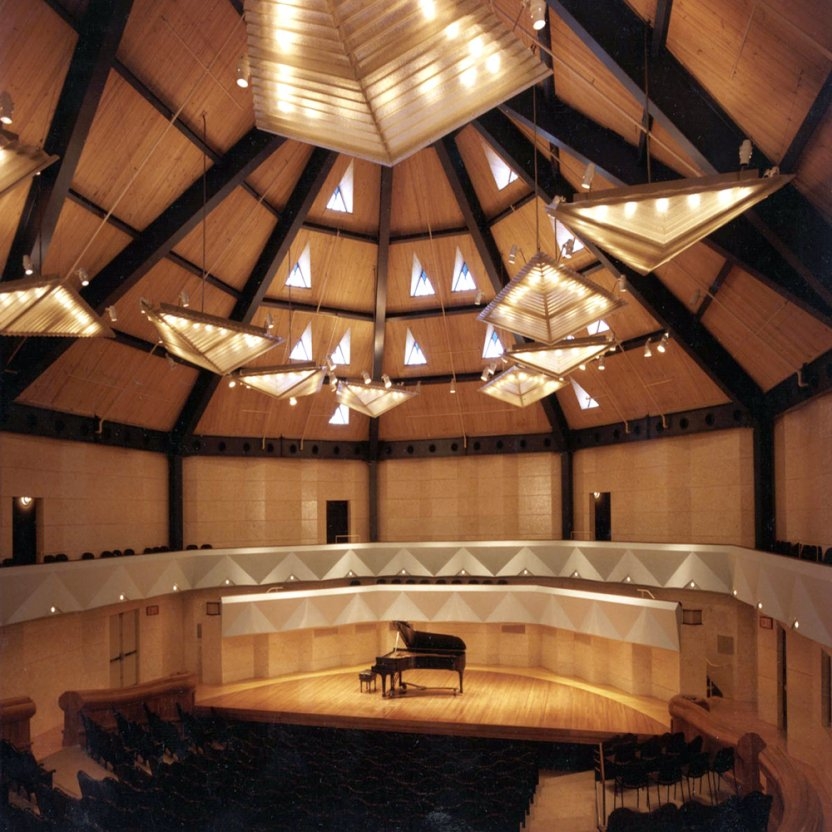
366,681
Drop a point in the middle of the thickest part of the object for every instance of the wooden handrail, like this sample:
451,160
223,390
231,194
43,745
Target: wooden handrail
795,806
160,695
15,716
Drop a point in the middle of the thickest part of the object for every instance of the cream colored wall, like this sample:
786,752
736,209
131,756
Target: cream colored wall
674,490
514,496
91,497
803,473
270,502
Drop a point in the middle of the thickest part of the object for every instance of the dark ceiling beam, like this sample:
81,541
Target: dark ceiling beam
155,243
715,286
277,247
433,234
738,240
435,312
382,271
814,118
99,35
315,309
661,24
346,234
614,34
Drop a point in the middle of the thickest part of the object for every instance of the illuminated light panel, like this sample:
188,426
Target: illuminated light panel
521,387
379,74
648,225
285,382
546,301
372,399
561,358
216,344
46,306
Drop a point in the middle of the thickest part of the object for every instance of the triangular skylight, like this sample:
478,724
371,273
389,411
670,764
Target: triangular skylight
585,401
341,353
413,352
493,346
341,199
598,327
302,351
420,285
463,279
503,173
341,415
300,275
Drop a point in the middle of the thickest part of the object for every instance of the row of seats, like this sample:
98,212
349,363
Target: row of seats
62,557
804,551
402,580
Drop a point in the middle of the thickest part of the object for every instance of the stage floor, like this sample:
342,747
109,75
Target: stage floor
517,703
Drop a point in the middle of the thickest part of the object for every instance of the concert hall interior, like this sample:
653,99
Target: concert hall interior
306,441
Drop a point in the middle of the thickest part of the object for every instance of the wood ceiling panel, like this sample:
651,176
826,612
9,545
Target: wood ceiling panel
436,412
768,335
690,274
11,207
814,172
276,178
134,163
100,377
764,63
187,52
366,183
422,197
234,234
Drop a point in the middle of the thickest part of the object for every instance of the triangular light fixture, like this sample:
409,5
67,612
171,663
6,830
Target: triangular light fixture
285,382
381,80
647,225
47,306
372,399
561,358
546,301
520,386
216,344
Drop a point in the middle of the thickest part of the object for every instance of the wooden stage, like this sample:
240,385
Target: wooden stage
517,703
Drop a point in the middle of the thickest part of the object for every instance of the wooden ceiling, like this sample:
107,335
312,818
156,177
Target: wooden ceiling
164,184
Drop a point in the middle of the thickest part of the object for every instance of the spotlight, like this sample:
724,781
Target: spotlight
28,266
122,597
453,386
745,152
537,9
83,276
478,298
242,73
662,345
512,255
6,108
292,401
601,365
387,383
232,383
184,299
366,376
568,248
111,311
589,175
53,609
269,322
621,285
648,353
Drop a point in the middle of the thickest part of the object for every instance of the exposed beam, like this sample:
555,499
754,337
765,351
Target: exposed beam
714,288
155,243
274,252
382,274
814,118
661,24
315,309
99,35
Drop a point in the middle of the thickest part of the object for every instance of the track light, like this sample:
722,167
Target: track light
242,73
589,175
28,266
6,108
184,299
453,386
292,401
601,365
269,322
745,152
567,249
478,298
537,9
648,353
111,311
83,276
512,255
387,383
662,345
366,376
621,284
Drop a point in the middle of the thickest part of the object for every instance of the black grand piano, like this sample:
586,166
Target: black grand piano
431,651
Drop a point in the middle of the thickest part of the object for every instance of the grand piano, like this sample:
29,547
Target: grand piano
431,651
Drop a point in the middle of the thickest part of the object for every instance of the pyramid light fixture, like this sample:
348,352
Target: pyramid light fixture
647,225
520,386
547,301
19,162
290,381
561,358
213,343
372,399
379,80
47,306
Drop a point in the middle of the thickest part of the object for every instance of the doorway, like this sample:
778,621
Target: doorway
337,521
124,649
24,529
600,512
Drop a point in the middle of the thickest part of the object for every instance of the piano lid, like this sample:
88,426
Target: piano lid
422,641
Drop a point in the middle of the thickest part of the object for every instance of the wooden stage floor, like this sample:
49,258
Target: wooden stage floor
517,703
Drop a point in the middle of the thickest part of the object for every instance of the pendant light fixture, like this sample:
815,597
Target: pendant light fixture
372,399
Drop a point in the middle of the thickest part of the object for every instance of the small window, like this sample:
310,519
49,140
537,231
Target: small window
493,346
420,285
341,416
341,199
463,280
597,327
503,173
413,352
302,351
341,353
585,401
301,274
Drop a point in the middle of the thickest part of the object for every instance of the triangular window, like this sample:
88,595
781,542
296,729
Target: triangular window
493,346
413,352
568,243
585,401
463,279
341,353
302,351
420,285
503,173
597,327
341,415
341,199
301,274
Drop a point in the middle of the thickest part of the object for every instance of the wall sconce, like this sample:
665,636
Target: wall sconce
25,502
